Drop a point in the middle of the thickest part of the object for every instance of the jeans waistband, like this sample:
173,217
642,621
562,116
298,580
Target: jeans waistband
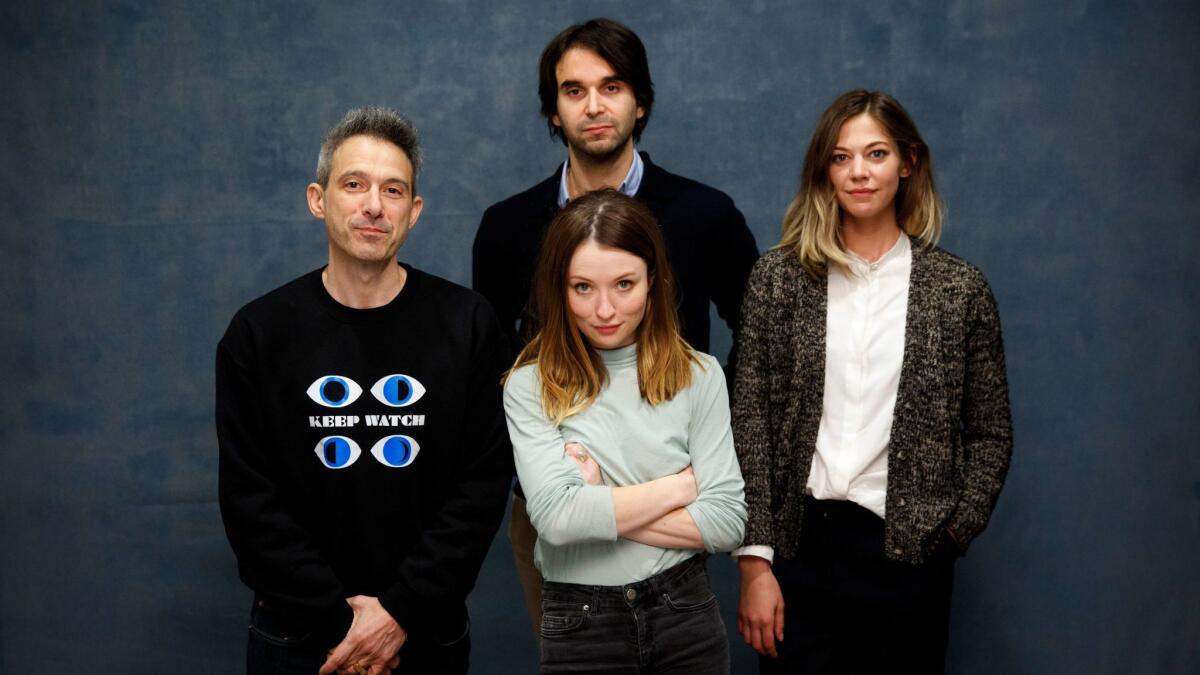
630,594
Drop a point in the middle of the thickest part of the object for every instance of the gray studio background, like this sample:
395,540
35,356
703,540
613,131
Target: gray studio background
154,164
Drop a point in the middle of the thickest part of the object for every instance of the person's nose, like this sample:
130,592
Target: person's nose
594,105
605,309
372,204
858,168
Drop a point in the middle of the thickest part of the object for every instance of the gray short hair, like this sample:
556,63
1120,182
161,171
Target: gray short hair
378,122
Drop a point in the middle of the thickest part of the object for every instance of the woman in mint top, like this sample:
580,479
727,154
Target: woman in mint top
622,439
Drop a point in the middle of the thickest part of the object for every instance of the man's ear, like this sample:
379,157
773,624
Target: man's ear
415,212
556,120
316,200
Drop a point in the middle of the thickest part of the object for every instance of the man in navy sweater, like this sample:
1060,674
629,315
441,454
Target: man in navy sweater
364,460
596,95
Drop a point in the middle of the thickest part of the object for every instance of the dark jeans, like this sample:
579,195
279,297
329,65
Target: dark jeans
848,609
277,648
668,623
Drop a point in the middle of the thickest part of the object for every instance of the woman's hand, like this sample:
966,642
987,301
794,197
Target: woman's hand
588,468
760,605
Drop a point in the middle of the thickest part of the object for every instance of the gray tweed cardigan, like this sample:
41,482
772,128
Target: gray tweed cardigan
952,434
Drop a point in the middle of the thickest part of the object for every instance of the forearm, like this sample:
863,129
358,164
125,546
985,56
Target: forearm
637,506
675,529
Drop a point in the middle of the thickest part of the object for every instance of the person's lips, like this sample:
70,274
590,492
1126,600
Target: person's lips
607,330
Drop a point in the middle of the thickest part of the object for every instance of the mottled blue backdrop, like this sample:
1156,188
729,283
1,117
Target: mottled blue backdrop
155,156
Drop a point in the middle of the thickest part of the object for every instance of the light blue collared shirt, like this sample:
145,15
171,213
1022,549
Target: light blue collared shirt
628,187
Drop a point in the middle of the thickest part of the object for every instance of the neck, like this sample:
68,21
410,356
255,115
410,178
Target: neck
586,173
363,285
870,239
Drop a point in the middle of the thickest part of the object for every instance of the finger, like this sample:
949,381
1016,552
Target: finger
779,621
768,642
337,658
394,662
753,638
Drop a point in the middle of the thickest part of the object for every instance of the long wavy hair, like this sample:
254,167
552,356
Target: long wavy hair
813,219
572,372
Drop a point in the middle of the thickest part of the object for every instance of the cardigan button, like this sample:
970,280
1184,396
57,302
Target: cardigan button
630,594
900,455
897,552
900,501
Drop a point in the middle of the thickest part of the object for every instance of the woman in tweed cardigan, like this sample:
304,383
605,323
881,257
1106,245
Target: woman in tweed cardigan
864,588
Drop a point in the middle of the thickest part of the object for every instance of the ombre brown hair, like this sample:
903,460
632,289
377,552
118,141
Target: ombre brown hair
810,226
571,371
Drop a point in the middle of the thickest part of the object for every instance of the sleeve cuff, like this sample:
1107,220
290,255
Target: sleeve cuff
765,552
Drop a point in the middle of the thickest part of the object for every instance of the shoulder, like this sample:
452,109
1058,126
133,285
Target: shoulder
540,196
704,200
779,266
522,381
272,318
952,272
707,371
450,298
282,303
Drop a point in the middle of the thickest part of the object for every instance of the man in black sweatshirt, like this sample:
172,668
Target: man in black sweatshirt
364,459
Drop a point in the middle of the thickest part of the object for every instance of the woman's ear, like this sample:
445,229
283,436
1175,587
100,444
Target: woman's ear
910,163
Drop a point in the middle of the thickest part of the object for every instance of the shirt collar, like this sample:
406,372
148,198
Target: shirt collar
628,187
860,266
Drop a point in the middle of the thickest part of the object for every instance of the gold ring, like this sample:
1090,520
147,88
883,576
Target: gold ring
582,457
358,668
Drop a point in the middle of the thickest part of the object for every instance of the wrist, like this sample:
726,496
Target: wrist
753,565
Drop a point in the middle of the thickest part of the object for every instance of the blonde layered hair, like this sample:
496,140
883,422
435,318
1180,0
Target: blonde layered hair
812,223
571,371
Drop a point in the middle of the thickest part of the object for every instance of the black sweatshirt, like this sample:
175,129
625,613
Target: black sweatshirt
363,452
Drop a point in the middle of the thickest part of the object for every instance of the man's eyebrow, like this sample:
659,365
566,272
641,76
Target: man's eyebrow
355,173
566,84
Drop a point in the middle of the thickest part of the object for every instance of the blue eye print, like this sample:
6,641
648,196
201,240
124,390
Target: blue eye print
396,451
337,452
334,391
398,390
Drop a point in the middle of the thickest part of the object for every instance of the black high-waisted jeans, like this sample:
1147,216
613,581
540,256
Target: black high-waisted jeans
667,623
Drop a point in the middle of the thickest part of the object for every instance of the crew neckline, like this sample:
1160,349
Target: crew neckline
353,315
620,356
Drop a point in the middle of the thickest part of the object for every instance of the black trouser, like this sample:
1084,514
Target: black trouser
848,609
276,648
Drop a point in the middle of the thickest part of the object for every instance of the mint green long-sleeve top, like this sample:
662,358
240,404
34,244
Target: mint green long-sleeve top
633,442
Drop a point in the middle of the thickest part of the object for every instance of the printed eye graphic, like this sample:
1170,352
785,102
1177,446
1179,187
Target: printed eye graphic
334,391
398,390
337,452
396,451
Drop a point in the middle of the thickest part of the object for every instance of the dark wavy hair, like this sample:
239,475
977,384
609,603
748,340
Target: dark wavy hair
615,43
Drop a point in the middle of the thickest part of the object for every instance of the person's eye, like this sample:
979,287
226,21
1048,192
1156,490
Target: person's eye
879,153
840,157
624,284
612,88
574,92
582,287
395,191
